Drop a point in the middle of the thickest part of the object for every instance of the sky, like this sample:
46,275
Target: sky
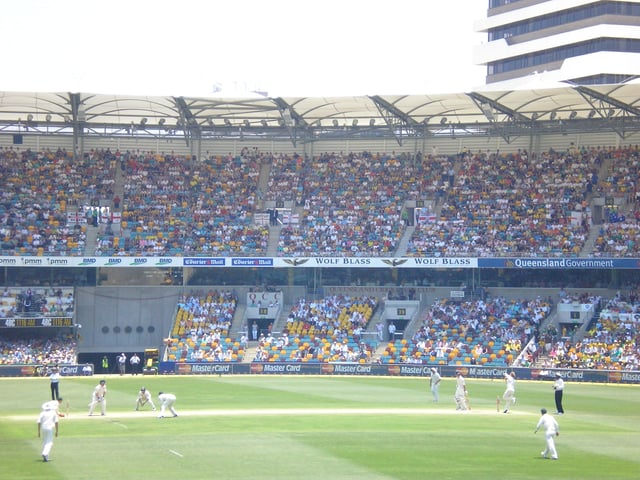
285,48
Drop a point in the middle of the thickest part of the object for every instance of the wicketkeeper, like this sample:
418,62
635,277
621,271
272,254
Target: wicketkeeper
144,397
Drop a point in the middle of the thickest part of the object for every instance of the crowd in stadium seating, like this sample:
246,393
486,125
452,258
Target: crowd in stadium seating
29,302
40,350
174,205
506,204
201,328
285,178
512,204
613,343
39,190
328,329
331,329
350,204
337,315
491,332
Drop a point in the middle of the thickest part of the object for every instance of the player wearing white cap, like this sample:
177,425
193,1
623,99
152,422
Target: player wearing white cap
144,397
54,405
47,428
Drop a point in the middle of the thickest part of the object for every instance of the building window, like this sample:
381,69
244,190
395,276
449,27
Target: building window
561,53
564,17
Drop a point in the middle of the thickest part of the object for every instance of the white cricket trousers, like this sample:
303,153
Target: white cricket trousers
168,404
47,440
551,446
103,406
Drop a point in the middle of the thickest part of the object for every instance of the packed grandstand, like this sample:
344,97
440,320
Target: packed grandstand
360,204
477,204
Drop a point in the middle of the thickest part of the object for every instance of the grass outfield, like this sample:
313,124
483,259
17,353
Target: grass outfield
333,427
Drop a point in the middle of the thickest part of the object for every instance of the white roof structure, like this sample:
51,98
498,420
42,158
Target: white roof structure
503,112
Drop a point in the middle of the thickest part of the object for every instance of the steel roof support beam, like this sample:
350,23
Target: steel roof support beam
290,118
397,121
497,106
77,122
189,122
603,104
513,121
590,94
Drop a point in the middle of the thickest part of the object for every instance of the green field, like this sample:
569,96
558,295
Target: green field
294,427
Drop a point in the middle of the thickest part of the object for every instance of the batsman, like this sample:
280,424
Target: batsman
99,396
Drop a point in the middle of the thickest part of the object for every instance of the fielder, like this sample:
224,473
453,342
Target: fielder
434,384
144,397
54,405
510,392
166,401
461,393
99,397
551,430
47,428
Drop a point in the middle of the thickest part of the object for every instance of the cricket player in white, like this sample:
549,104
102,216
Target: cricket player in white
510,392
99,397
47,428
54,405
166,401
144,397
461,392
434,383
551,430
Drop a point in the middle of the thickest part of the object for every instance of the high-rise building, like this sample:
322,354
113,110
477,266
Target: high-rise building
582,42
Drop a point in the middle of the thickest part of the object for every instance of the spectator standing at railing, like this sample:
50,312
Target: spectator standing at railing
105,364
122,363
392,331
135,364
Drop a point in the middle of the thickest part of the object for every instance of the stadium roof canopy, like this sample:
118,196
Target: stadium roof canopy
302,119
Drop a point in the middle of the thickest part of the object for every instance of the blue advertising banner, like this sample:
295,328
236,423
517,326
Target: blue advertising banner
555,263
85,369
469,371
396,370
559,263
